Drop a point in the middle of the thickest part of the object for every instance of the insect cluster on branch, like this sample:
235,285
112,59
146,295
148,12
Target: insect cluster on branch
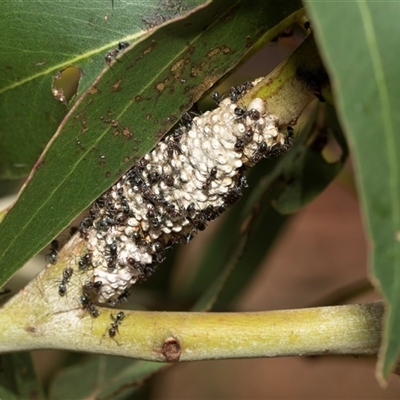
174,191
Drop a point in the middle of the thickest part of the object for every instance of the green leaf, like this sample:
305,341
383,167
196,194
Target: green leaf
102,377
267,226
363,65
41,38
18,378
125,113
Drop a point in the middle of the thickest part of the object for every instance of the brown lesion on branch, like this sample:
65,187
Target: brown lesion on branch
171,350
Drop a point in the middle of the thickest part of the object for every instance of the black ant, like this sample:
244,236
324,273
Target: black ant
155,223
289,137
113,248
151,213
120,192
173,146
191,209
114,52
148,270
154,177
112,262
253,114
242,113
211,177
187,120
168,179
112,253
152,198
123,45
136,237
177,134
148,194
314,81
290,131
66,275
101,201
121,218
122,297
236,91
248,136
216,97
53,256
210,213
135,177
84,227
141,164
90,287
89,306
260,152
240,143
113,329
131,263
232,196
199,221
173,213
233,94
85,262
157,247
105,223
125,205
242,181
175,239
94,211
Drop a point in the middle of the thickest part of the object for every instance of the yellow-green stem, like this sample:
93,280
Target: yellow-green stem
180,336
289,88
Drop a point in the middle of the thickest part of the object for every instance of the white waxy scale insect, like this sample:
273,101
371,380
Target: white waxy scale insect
144,214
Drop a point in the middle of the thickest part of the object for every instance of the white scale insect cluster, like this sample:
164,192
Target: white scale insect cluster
187,180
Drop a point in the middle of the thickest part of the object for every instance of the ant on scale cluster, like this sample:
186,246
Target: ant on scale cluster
53,255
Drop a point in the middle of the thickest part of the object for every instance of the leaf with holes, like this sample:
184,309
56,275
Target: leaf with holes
42,38
122,116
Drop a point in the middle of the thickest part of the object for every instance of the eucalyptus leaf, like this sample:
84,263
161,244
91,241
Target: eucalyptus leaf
102,377
42,38
368,103
123,115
